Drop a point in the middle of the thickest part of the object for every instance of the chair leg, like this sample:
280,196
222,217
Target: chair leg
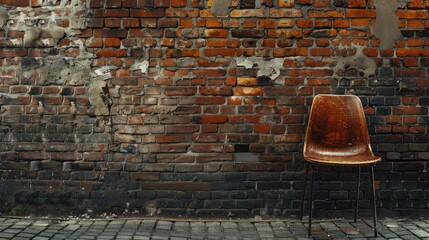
307,165
357,194
374,208
311,199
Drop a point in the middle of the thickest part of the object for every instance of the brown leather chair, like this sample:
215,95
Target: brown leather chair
337,134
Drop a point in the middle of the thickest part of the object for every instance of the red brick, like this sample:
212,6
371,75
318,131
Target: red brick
13,52
360,13
285,13
112,22
248,91
145,176
175,91
96,3
326,13
211,119
417,4
409,110
146,13
412,52
246,13
261,128
321,3
210,100
248,23
357,3
174,139
178,3
322,23
181,13
286,3
110,33
177,186
212,52
285,33
213,23
129,3
161,3
112,53
131,22
112,42
16,3
321,52
413,14
118,13
216,33
93,156
113,4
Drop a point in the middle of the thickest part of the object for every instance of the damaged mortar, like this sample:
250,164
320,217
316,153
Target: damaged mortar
359,61
386,26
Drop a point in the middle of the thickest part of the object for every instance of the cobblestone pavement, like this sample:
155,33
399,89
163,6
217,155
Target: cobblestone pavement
148,228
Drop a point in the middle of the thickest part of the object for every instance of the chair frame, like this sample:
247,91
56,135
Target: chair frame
374,207
311,164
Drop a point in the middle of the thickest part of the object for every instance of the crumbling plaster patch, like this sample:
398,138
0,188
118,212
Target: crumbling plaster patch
142,66
44,30
268,68
386,26
359,61
44,25
4,15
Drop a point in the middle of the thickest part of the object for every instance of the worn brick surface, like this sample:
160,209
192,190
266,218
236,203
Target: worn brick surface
200,107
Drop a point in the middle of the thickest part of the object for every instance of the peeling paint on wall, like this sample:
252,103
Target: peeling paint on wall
360,62
386,26
268,68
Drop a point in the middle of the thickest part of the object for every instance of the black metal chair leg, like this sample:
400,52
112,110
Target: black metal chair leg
307,165
374,208
357,194
311,199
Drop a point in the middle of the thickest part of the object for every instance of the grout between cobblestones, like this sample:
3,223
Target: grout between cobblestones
160,229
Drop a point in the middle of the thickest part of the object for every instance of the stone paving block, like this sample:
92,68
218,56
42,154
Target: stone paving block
162,229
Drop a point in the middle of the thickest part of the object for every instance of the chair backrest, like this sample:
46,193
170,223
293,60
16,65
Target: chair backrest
337,127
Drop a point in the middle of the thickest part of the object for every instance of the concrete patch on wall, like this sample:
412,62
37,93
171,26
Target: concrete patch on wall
267,68
386,26
220,7
365,66
4,15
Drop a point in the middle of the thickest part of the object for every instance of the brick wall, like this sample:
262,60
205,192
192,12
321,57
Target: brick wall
199,107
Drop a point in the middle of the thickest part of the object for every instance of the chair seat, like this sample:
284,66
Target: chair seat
342,159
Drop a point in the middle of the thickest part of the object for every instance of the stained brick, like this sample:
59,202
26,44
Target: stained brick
248,33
